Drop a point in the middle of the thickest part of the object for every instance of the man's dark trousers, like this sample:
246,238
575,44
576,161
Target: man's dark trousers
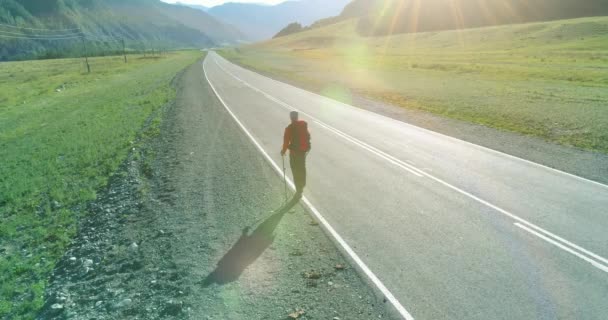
297,161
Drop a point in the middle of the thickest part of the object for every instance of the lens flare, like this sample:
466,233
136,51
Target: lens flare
338,92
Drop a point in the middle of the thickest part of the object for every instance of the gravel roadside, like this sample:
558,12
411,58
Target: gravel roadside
191,234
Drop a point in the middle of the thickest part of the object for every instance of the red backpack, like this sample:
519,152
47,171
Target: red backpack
300,137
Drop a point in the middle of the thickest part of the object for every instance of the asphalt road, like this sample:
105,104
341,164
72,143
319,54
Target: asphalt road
450,229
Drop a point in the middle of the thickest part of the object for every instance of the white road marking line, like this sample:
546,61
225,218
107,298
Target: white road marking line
426,130
398,163
484,202
406,166
388,295
591,261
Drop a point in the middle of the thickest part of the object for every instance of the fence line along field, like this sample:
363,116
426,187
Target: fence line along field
62,133
548,79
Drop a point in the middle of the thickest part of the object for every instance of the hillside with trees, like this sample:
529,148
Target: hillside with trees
290,29
32,29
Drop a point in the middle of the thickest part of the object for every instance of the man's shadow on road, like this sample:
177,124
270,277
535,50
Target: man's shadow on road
248,248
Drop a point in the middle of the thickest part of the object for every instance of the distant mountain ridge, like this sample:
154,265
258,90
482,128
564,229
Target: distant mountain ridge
193,6
261,22
141,23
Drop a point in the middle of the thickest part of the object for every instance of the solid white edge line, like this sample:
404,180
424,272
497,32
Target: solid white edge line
553,242
389,157
424,129
388,295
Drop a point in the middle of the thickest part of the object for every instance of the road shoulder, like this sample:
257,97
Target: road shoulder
186,230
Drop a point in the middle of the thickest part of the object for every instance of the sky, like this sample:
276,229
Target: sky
211,3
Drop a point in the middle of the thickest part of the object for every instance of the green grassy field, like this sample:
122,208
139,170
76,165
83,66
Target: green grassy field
543,79
62,134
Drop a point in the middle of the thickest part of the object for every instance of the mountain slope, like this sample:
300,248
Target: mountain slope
217,30
290,29
141,23
262,22
382,17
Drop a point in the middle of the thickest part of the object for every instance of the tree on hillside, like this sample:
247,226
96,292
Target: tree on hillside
12,12
291,28
42,6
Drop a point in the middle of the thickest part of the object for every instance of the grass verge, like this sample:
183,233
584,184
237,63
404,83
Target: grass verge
62,134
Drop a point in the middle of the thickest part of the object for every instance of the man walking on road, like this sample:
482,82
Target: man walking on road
297,140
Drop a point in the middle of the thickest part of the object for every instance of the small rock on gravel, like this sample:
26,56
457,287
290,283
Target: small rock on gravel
296,314
87,263
123,303
57,306
172,308
311,274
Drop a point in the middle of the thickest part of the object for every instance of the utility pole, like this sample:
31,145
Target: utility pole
86,56
124,53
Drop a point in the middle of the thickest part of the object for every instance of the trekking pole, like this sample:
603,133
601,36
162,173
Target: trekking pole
284,177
